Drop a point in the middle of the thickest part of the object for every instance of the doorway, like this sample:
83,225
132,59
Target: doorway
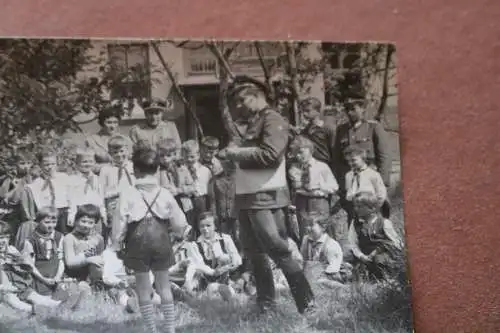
204,99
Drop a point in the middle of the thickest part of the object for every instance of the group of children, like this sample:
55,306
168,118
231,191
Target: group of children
170,218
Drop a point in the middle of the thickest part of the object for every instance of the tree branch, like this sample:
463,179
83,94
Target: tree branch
265,69
177,88
220,57
385,86
292,71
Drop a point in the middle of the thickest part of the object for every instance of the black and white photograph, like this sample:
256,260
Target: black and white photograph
199,185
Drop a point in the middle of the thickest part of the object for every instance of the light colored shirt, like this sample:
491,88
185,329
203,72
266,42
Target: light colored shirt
212,249
111,184
74,248
42,195
200,186
366,180
132,207
151,136
85,190
321,179
324,250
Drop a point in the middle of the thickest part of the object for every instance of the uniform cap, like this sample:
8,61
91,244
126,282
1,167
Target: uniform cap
241,82
154,106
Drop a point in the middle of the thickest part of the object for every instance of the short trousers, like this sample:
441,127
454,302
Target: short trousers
148,247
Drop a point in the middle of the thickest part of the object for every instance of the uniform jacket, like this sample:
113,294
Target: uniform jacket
371,136
165,130
261,179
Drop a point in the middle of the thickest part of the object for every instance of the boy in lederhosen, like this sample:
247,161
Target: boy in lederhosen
146,214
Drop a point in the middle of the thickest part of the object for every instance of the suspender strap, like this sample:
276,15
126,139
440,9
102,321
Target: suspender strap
222,244
150,205
200,248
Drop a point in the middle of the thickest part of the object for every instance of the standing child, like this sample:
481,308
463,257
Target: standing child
52,189
44,248
209,150
12,186
219,253
86,188
16,280
312,181
194,179
376,246
114,178
362,178
83,247
222,193
168,153
146,213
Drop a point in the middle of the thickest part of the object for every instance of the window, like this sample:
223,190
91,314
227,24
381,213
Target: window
340,59
130,62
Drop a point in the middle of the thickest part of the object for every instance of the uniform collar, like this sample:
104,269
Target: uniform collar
148,180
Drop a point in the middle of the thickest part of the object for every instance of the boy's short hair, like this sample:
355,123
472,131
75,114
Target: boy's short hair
206,215
302,142
210,142
109,112
117,142
5,229
46,152
45,212
145,160
321,219
88,210
190,146
354,150
366,199
313,102
167,145
80,153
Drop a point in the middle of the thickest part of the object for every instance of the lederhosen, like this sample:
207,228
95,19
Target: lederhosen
148,240
47,265
206,280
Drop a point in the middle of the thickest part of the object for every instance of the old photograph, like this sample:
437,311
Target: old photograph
218,186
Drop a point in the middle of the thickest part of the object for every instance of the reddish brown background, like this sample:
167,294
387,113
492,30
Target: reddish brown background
449,75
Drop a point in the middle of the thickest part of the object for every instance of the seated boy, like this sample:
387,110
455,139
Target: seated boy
312,181
16,280
322,254
83,247
220,256
376,246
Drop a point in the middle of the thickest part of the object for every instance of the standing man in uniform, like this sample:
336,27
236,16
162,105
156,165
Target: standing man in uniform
262,194
369,135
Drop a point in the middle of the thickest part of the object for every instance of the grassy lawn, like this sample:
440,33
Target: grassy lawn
364,308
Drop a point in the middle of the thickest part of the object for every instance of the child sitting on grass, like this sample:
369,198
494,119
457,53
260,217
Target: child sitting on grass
322,254
376,246
83,247
44,248
219,254
16,280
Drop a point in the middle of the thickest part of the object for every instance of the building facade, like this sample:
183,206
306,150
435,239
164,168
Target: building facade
197,74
